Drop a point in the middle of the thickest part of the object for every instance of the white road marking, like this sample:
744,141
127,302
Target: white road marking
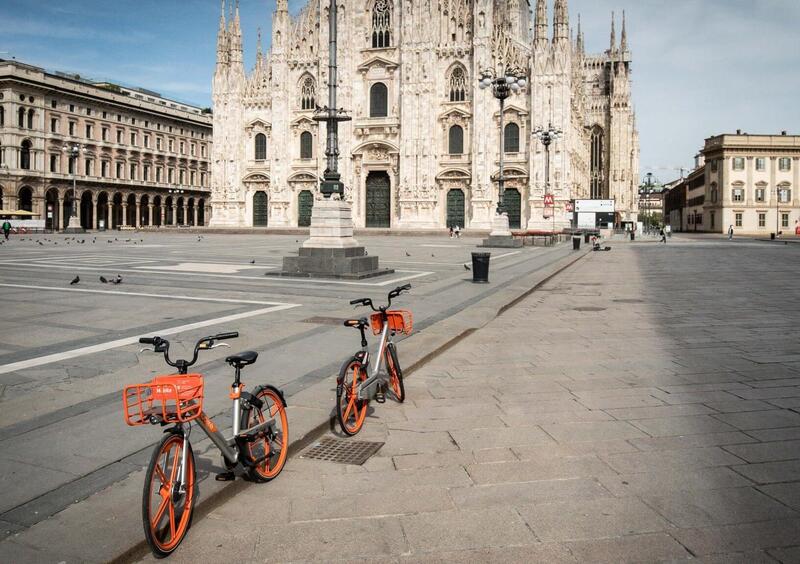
212,267
267,280
141,294
445,246
498,257
100,347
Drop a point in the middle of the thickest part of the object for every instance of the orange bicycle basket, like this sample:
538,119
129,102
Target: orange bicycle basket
176,398
400,321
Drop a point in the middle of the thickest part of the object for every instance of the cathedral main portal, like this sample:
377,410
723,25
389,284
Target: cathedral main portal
378,200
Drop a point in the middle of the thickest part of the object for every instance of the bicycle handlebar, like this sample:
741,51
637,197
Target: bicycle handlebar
162,345
393,294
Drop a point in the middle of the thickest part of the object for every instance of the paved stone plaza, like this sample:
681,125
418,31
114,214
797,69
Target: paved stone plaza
642,405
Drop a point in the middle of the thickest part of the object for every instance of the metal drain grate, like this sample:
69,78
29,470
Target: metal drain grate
342,451
589,308
324,320
629,301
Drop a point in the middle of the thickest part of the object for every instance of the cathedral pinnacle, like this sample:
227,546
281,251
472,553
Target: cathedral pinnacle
623,46
579,44
258,48
560,21
613,47
540,23
282,6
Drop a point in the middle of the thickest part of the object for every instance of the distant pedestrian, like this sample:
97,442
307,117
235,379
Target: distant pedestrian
457,231
451,232
663,236
730,232
668,229
6,228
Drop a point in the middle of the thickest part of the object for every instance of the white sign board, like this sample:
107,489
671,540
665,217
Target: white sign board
586,220
596,206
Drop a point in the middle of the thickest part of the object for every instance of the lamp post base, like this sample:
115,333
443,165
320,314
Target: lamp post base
500,236
332,251
74,226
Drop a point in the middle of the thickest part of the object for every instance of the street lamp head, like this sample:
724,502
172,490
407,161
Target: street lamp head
522,81
510,79
515,87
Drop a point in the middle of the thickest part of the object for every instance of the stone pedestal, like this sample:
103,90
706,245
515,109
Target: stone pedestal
331,251
500,235
74,225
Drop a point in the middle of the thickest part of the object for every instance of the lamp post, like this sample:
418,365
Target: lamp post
547,137
73,151
331,180
512,80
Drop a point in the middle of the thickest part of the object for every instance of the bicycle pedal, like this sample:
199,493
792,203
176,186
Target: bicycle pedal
380,397
225,476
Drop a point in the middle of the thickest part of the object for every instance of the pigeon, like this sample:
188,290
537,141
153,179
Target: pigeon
104,280
297,240
466,267
253,261
117,280
365,252
433,255
408,254
42,244
75,280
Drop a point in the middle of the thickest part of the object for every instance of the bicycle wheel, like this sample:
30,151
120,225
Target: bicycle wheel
166,503
350,411
395,374
275,445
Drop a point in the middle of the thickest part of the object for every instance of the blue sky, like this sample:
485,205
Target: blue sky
701,67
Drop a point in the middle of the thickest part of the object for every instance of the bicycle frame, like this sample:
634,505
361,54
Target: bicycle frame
366,390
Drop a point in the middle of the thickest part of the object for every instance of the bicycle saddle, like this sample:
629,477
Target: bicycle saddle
242,359
357,323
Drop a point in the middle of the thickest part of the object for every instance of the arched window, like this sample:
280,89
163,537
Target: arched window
458,84
511,138
261,147
382,24
378,100
308,93
30,119
306,145
455,140
597,175
21,119
2,116
25,155
25,199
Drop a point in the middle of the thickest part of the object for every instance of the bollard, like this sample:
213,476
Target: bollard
480,267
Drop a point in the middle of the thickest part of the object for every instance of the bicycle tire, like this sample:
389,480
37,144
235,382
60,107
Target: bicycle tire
274,404
163,540
348,407
395,374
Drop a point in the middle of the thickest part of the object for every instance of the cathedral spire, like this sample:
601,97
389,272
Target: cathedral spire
560,21
613,47
623,46
259,55
237,56
222,39
282,6
540,24
579,44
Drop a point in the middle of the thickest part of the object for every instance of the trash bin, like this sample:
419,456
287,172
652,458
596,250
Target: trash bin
480,267
633,235
586,236
576,243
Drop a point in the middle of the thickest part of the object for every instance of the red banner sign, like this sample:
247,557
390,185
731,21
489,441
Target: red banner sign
549,201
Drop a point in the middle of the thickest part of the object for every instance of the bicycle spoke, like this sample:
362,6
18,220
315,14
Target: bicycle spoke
160,512
350,404
171,521
161,475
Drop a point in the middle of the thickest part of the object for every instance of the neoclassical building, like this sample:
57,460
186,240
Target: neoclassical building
422,150
141,159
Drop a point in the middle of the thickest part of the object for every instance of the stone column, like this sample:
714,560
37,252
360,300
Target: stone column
58,213
185,212
150,221
163,211
124,213
138,221
194,215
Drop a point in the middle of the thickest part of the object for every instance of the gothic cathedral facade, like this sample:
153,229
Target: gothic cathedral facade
422,149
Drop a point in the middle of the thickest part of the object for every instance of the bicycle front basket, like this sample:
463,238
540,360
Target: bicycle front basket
175,398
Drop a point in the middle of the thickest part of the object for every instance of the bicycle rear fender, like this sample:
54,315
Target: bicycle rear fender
253,396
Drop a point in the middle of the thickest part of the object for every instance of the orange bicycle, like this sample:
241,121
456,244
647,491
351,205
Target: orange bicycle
354,389
259,440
